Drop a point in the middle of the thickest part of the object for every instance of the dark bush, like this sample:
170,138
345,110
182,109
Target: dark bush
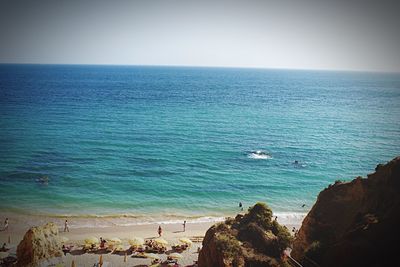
260,214
284,237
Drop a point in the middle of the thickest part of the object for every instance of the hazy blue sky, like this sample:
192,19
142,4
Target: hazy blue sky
338,34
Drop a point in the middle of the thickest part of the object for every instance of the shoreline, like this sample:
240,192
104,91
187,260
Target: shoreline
20,221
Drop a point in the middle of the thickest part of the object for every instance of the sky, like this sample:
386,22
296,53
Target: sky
293,34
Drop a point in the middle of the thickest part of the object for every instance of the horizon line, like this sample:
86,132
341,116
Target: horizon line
205,66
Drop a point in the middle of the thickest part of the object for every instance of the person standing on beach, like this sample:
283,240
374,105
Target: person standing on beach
184,226
66,228
6,224
159,231
240,205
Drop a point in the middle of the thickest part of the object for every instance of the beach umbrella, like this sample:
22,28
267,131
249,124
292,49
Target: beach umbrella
152,256
9,239
137,241
91,240
101,260
175,256
186,241
73,263
125,257
64,239
4,255
161,241
115,240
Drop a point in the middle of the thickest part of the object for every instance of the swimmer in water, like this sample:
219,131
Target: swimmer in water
43,180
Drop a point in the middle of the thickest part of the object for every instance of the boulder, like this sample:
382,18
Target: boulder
39,244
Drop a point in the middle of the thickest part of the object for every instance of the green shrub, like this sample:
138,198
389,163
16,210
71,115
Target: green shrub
284,237
222,227
229,221
260,214
228,245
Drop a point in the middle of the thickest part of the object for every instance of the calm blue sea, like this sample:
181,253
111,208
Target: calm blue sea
180,141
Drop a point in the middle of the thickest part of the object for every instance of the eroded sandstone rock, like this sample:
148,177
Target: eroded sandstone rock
38,245
354,223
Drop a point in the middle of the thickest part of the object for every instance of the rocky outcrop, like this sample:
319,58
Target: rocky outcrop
210,255
354,223
249,240
39,244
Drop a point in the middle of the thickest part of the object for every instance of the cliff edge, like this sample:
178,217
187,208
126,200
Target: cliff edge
354,223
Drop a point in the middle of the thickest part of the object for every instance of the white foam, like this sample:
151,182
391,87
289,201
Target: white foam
101,223
290,218
259,155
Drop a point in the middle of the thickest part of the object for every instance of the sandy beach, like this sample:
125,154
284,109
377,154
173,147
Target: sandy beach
172,232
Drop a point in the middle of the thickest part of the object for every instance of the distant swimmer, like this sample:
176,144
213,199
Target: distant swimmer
296,162
240,205
303,205
43,180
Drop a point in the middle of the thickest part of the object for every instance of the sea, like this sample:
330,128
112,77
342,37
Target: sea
149,143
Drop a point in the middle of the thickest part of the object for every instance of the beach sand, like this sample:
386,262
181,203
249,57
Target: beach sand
172,232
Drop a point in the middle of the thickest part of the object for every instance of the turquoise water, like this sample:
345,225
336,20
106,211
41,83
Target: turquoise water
175,141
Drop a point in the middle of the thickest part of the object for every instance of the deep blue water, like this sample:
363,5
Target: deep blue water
170,140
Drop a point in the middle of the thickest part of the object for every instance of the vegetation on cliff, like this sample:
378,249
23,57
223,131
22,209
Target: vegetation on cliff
253,239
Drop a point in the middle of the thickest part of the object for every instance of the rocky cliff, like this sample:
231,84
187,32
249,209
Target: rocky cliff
39,244
250,240
354,223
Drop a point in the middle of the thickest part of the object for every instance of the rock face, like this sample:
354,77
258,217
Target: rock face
250,240
39,244
354,223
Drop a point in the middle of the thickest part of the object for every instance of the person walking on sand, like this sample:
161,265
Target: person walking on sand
184,226
159,231
66,228
6,224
